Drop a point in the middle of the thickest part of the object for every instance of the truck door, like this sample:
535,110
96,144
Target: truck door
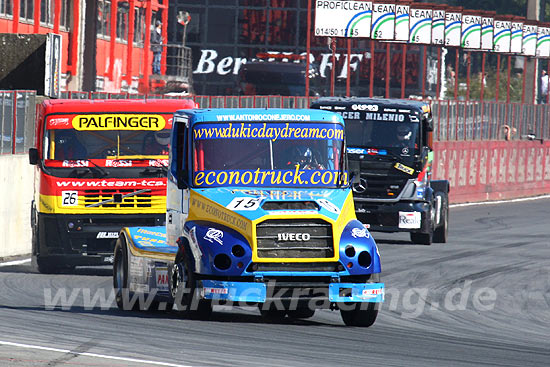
177,191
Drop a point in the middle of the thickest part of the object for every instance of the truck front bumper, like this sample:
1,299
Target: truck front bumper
390,217
258,292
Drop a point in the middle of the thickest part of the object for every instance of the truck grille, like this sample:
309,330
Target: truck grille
383,181
292,238
142,200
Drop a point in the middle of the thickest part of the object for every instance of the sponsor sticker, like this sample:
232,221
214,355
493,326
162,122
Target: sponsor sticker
329,206
401,167
214,234
360,233
119,122
118,163
409,220
107,235
77,163
162,279
371,293
210,290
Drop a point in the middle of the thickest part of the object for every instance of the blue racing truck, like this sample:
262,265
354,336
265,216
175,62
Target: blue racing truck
259,212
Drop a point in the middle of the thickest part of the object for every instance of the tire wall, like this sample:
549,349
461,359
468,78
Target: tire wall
493,170
16,192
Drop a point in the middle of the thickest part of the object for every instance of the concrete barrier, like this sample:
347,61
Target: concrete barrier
16,185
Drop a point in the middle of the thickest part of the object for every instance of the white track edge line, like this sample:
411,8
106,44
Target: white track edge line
87,354
500,201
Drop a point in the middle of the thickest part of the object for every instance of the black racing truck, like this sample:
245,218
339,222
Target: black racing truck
389,148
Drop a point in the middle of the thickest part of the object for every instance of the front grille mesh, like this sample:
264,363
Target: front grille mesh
319,243
142,200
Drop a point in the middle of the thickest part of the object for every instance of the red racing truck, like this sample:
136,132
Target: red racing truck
100,165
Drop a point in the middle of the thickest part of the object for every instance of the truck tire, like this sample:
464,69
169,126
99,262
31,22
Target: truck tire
184,290
360,317
422,238
120,275
43,266
441,232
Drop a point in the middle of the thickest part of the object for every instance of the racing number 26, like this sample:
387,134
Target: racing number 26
69,198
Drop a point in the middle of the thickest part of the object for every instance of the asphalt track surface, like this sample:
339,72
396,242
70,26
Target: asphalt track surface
482,299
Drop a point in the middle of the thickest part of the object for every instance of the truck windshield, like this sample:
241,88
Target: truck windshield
268,155
70,144
398,137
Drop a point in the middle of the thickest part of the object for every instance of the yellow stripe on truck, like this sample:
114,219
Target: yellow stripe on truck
51,204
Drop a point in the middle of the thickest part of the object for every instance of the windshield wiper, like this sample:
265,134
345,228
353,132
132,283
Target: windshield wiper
99,169
151,171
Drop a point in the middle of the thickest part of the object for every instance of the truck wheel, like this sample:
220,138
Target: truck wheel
422,238
43,266
120,274
360,317
440,233
184,291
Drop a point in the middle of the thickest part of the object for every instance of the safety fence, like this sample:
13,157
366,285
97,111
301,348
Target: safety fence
453,120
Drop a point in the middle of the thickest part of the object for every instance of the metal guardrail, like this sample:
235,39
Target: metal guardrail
453,120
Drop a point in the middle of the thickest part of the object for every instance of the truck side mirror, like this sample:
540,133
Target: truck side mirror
429,123
182,180
33,156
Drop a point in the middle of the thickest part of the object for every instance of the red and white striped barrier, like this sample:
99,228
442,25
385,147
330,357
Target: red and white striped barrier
493,170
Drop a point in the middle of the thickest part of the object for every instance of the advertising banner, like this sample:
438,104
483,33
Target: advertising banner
383,21
543,42
402,22
335,18
438,27
503,35
529,47
421,26
453,28
517,37
471,31
487,33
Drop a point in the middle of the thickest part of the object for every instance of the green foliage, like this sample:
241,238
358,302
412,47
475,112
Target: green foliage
489,91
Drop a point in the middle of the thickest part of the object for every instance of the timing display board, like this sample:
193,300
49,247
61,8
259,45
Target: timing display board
543,42
438,27
503,35
487,33
421,26
529,46
402,22
383,21
471,31
517,37
335,18
453,28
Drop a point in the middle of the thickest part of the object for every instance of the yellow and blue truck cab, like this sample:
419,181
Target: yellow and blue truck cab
259,211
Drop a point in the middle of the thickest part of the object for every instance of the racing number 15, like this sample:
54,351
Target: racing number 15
244,204
69,198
